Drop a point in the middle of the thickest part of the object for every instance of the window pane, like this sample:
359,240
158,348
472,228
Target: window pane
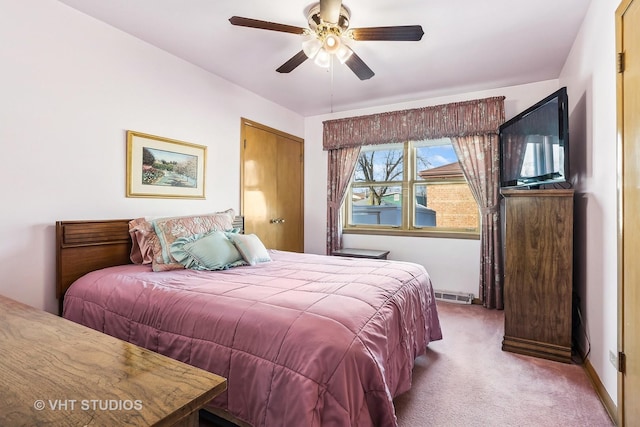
423,216
448,205
376,205
380,164
435,158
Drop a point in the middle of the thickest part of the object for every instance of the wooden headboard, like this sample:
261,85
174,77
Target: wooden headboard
85,246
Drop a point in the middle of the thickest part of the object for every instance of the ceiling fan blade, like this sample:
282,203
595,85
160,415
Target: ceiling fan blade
330,10
266,25
358,66
398,33
291,64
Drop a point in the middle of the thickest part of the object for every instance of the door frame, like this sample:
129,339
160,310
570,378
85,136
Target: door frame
622,285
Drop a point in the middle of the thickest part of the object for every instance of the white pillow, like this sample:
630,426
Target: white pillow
250,247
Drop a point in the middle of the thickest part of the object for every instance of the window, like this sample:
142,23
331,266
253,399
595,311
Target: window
414,188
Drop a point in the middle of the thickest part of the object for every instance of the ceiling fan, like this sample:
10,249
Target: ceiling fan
325,38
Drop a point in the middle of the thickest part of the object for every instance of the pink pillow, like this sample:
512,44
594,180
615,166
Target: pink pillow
143,238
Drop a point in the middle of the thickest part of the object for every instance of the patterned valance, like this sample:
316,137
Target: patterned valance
476,117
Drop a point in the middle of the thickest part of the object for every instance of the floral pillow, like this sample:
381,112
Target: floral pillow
168,230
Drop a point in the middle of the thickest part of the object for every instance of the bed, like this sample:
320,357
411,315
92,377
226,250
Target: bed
302,339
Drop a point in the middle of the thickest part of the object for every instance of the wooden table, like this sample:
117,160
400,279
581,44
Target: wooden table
361,253
56,372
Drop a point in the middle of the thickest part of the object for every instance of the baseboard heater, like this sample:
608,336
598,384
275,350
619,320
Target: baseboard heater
457,297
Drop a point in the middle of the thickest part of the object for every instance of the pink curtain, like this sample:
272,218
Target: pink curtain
477,119
480,160
342,163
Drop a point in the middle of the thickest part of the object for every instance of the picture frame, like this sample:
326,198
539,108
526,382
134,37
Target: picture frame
164,168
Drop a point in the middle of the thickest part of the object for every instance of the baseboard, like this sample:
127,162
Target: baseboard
608,403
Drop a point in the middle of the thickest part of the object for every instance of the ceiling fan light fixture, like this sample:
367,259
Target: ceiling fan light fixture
343,53
332,43
311,47
323,59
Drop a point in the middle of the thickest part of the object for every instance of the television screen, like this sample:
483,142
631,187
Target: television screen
534,145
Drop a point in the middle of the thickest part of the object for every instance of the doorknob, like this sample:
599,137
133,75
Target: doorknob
276,220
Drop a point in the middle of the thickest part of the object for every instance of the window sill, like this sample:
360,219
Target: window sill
468,235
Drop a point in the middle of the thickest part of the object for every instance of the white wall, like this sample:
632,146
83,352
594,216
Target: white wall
453,264
70,87
590,76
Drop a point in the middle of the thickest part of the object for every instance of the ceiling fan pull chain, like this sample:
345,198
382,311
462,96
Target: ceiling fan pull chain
331,78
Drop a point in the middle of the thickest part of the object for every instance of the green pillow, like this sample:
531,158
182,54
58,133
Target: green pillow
210,251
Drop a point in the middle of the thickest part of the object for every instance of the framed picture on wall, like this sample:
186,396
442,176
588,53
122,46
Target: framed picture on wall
164,168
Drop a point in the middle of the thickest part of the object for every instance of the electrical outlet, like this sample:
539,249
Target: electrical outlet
613,358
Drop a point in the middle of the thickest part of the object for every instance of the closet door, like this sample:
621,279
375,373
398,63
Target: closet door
272,186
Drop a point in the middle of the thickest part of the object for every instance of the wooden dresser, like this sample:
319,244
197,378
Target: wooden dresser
538,272
56,372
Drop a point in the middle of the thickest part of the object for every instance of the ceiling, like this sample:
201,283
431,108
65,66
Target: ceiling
468,45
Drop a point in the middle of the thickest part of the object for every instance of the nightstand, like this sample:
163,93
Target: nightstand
361,253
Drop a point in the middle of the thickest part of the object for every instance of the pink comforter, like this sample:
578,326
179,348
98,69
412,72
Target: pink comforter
305,340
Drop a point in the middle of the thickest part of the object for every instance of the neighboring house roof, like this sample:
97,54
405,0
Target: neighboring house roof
451,170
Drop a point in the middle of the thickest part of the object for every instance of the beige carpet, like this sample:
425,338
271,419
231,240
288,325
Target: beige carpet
466,380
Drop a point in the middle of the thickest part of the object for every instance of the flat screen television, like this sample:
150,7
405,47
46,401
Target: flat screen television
534,145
